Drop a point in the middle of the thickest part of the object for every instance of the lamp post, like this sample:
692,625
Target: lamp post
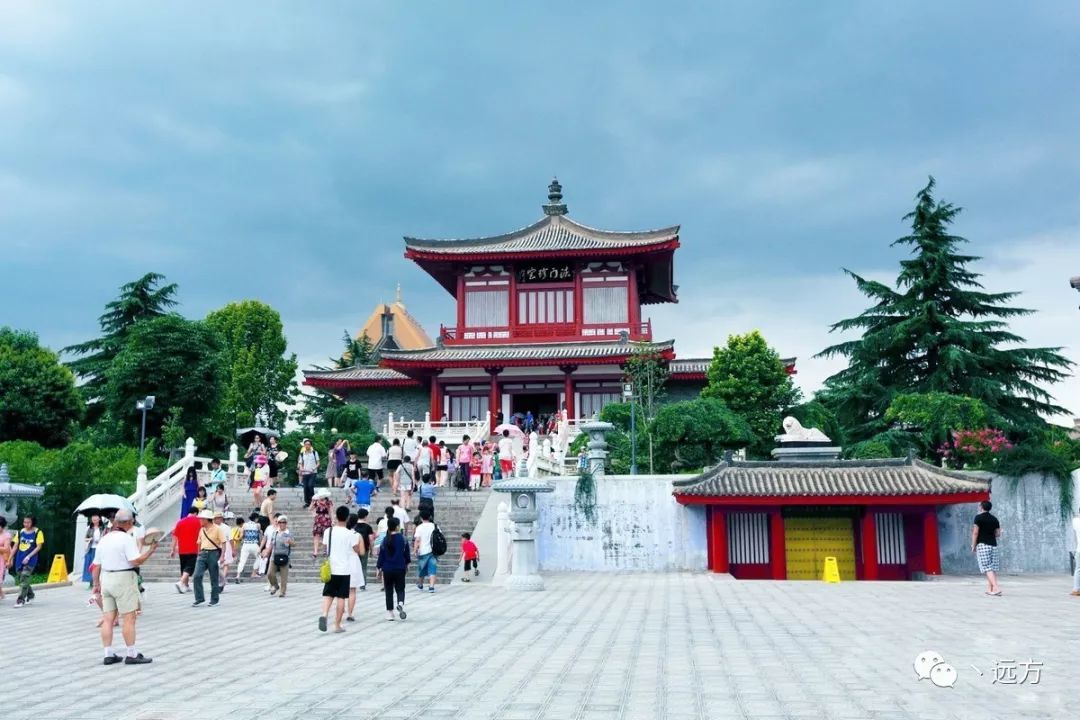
147,403
628,393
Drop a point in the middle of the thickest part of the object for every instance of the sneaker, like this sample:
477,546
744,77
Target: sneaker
137,660
273,592
400,611
465,579
213,603
419,586
431,590
322,623
476,573
197,603
112,660
390,615
19,603
179,587
350,619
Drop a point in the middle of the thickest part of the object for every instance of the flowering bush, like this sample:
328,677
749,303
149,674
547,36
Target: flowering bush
975,448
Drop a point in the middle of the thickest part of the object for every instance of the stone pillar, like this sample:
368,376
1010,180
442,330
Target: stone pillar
524,575
189,450
505,545
597,452
234,460
141,482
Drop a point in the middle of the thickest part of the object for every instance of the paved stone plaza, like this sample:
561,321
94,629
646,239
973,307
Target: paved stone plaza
590,647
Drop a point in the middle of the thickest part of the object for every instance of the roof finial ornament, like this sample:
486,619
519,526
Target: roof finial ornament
555,205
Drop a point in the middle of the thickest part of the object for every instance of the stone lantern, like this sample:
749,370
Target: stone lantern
525,571
597,454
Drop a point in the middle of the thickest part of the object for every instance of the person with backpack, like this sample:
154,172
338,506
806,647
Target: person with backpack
392,565
428,544
307,465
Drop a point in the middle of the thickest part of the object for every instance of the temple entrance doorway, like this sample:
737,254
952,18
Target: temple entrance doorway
542,405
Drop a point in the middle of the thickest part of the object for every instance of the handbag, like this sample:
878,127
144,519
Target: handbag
281,559
324,569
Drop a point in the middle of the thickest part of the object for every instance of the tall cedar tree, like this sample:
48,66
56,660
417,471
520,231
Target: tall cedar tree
938,332
138,300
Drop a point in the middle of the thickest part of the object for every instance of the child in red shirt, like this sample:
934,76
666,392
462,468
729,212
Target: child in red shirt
471,555
474,472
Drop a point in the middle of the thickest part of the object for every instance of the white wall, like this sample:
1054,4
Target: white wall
1034,536
637,526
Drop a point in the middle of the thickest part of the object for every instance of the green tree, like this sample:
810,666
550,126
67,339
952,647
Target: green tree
176,360
932,418
648,373
38,398
358,350
694,433
938,331
139,300
259,378
750,378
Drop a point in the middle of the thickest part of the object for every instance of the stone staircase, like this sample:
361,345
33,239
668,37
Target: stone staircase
455,513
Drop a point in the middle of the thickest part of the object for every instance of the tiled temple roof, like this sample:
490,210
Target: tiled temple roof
552,233
699,366
524,352
885,478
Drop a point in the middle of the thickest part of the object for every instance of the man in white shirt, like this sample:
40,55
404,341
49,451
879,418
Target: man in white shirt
426,565
400,513
376,460
307,465
410,447
115,581
339,542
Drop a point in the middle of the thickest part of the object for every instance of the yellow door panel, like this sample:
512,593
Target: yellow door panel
808,541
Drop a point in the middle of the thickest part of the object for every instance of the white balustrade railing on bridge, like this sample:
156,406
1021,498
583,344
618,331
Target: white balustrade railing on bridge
154,497
449,431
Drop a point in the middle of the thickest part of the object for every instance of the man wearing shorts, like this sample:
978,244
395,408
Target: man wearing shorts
426,565
115,581
506,454
376,460
186,545
341,543
984,536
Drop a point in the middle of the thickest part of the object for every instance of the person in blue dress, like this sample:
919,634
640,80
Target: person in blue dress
191,489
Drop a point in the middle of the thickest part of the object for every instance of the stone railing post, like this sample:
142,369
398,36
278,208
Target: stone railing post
234,460
390,426
189,450
427,425
141,481
502,563
525,573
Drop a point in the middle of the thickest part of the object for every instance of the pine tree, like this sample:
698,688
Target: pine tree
938,331
138,300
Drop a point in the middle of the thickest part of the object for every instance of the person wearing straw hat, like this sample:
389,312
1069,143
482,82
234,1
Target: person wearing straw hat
211,542
115,582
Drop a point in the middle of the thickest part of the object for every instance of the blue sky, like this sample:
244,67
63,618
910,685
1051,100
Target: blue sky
280,150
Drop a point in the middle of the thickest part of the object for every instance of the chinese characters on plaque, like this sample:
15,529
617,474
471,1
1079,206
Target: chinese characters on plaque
544,273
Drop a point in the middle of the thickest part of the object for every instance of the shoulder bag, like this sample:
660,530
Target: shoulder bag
324,569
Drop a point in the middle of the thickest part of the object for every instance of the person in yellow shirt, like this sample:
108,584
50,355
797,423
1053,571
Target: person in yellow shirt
212,539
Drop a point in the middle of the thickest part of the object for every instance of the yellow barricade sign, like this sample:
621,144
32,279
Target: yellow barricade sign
832,570
58,572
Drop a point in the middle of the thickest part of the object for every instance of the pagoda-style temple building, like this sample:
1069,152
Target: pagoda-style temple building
545,319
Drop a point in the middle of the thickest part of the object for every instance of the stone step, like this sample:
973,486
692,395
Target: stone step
455,512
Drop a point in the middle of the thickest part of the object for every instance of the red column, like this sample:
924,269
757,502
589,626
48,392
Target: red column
634,311
460,304
777,556
579,302
568,389
436,399
931,551
718,551
512,314
493,397
868,538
